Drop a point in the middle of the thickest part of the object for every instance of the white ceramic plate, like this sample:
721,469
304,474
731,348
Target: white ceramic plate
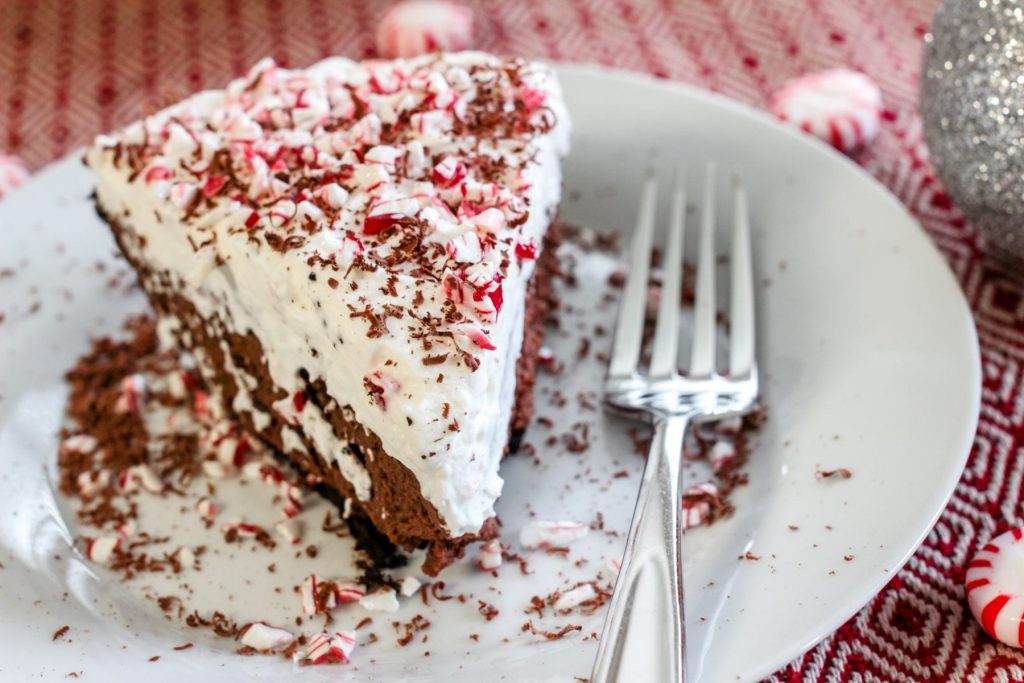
869,358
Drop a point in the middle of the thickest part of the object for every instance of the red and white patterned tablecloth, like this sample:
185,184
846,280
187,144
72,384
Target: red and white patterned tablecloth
69,69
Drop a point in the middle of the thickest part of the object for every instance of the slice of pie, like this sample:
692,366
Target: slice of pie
358,256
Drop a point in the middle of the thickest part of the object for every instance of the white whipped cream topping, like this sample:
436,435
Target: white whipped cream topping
451,431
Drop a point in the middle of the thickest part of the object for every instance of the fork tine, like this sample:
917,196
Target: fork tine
702,357
666,332
630,327
741,308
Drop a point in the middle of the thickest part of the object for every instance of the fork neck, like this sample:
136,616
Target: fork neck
644,638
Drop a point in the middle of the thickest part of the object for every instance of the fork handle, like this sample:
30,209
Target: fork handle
643,638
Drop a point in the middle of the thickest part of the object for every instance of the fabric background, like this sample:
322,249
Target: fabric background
70,69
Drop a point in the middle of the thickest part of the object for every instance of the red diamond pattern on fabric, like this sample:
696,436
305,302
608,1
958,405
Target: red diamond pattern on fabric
70,69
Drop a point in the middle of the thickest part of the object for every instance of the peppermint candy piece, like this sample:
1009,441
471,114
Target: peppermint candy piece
575,597
260,635
382,600
141,475
840,106
215,469
185,556
289,529
325,648
206,508
420,26
551,534
995,587
694,513
322,595
489,556
13,174
697,503
91,483
133,393
315,598
409,586
101,549
80,443
723,454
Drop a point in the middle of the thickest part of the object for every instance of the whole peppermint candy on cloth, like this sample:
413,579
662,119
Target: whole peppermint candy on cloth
840,106
13,174
416,27
995,587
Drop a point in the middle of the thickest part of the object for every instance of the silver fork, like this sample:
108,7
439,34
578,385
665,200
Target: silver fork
644,637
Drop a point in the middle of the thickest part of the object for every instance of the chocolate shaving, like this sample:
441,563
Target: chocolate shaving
552,635
435,591
488,610
842,472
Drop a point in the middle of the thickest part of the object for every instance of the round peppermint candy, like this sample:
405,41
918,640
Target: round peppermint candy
13,174
840,106
995,587
416,27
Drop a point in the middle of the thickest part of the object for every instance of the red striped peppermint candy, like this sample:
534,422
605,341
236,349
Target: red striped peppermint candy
13,174
324,648
840,106
416,27
995,587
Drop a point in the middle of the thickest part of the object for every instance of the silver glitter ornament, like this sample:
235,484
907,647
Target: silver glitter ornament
972,105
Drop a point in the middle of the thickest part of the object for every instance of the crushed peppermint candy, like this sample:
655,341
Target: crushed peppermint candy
317,595
127,529
415,174
575,597
102,548
409,586
699,502
551,534
240,529
489,556
82,443
290,530
722,454
260,635
327,648
133,393
92,482
206,507
215,469
185,556
694,513
382,600
321,595
142,476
